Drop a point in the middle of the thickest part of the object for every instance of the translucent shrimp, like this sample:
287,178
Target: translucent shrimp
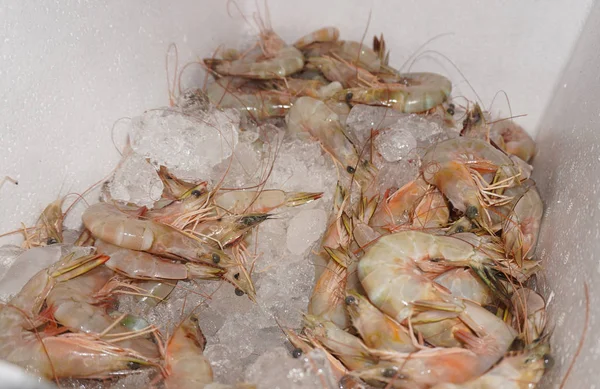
226,230
345,73
521,229
396,208
513,139
389,270
327,298
431,212
465,284
67,355
224,93
48,229
144,266
449,165
521,370
108,223
74,304
529,314
475,125
284,62
429,367
312,117
185,364
376,328
351,52
325,34
191,202
417,92
177,189
262,201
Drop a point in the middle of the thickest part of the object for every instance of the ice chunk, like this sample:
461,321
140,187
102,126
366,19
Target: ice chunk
304,229
364,118
395,143
189,146
136,181
426,131
8,255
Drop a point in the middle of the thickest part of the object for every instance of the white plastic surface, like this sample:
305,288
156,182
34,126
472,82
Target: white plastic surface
70,69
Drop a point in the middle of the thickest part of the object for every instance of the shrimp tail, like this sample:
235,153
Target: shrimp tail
295,199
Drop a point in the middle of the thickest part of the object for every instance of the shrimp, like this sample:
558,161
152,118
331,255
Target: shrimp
338,233
192,202
226,230
521,229
475,125
521,370
395,209
73,304
260,105
285,61
513,139
177,189
185,363
262,201
325,34
389,270
376,328
351,52
108,223
465,284
529,314
144,266
327,298
431,212
67,355
417,92
313,117
48,229
345,73
449,166
429,367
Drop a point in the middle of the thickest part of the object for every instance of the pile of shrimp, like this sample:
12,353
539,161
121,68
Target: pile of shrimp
423,286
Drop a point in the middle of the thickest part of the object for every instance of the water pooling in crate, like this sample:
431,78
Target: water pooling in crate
313,218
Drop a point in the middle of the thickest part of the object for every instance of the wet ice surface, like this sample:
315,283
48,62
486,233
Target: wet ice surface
244,339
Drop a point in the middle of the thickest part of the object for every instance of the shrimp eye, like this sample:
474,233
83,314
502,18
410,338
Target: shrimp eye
450,110
216,258
51,241
239,292
472,212
196,193
350,300
236,276
194,319
349,97
460,229
133,365
296,353
350,169
389,372
517,344
548,361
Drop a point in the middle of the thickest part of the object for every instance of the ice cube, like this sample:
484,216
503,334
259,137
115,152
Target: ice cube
189,146
304,229
135,181
395,143
426,130
364,118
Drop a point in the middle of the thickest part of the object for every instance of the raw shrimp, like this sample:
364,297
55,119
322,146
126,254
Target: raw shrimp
141,265
454,365
521,370
529,314
177,189
67,355
338,233
347,74
520,230
513,139
223,231
376,328
313,117
351,52
260,105
194,202
395,208
73,303
185,364
465,284
389,270
327,298
262,201
418,92
108,223
475,125
285,61
48,229
449,164
431,212
325,34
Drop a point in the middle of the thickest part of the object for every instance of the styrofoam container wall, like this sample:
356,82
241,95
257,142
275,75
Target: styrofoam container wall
70,69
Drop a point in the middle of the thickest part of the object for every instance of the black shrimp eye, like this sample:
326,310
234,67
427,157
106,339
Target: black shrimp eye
518,344
133,365
350,300
548,361
216,258
296,353
349,97
194,319
239,292
51,241
350,169
389,372
196,193
450,110
460,229
236,276
472,212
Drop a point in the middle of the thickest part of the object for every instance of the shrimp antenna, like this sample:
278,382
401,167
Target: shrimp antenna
172,86
112,135
586,323
422,46
503,92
